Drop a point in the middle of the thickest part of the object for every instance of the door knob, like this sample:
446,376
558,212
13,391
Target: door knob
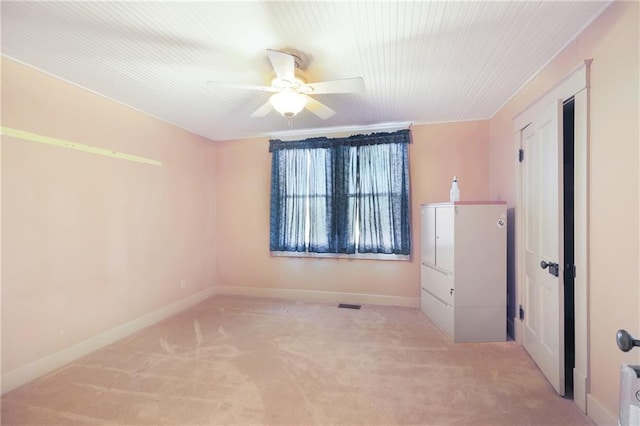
544,264
625,341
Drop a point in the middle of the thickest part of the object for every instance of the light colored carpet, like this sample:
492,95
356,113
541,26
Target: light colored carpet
239,361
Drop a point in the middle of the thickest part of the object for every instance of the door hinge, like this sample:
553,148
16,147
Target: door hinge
520,313
570,271
521,155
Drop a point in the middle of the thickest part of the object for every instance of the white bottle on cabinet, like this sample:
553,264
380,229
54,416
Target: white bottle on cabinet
463,271
454,192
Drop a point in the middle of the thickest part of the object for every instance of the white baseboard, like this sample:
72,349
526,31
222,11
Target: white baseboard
580,389
42,366
599,414
324,296
518,330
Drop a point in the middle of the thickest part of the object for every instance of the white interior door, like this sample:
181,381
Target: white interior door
541,201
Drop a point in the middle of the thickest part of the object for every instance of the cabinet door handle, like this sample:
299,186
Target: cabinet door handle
451,292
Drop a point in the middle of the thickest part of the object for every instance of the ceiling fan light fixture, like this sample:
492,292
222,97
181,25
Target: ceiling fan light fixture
288,102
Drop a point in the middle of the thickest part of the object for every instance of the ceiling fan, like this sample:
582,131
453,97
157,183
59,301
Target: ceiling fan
292,92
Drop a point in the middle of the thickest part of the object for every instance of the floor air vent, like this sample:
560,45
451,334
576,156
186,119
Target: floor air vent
348,306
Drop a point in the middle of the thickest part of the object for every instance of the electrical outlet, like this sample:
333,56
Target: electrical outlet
183,283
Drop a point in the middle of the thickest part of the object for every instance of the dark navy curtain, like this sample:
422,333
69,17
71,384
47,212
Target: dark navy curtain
341,195
288,200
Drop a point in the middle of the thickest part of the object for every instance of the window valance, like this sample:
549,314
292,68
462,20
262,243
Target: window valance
400,136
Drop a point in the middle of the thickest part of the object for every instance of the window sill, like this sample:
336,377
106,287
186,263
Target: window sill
357,256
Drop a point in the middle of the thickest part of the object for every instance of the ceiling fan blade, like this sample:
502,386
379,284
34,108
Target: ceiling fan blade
263,110
244,86
283,64
346,85
318,108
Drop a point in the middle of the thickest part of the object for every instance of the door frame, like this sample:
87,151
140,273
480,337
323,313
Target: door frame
577,85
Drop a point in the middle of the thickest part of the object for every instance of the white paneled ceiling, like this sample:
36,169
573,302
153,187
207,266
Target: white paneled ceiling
421,61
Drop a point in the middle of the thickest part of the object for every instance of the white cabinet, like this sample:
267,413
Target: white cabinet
463,271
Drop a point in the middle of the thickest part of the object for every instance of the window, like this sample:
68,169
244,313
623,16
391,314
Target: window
342,196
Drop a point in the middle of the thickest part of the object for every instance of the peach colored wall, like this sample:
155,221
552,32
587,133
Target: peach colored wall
91,242
242,184
614,182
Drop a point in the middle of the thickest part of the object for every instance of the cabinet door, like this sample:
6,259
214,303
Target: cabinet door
445,222
440,314
438,284
429,235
